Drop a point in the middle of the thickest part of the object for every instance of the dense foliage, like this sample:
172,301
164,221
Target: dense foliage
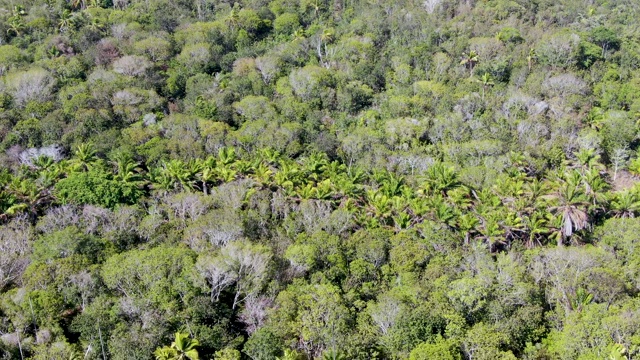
316,179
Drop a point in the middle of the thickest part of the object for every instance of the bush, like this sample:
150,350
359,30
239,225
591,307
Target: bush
96,188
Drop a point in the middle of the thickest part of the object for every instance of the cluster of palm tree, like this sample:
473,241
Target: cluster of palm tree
558,207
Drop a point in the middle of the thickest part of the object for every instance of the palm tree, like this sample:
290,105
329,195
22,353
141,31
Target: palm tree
179,173
535,226
324,189
531,58
379,204
16,25
233,19
66,20
439,179
570,203
269,155
333,355
19,10
392,185
486,81
95,24
315,165
225,174
160,180
491,231
290,355
29,194
625,204
316,8
182,348
126,169
326,38
582,299
470,60
9,205
467,223
43,162
588,159
346,187
594,187
226,155
79,4
206,175
262,174
298,34
85,157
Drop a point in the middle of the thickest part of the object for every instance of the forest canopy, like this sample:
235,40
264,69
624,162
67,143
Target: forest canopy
319,179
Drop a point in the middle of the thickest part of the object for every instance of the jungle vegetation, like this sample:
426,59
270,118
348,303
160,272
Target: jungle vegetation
319,179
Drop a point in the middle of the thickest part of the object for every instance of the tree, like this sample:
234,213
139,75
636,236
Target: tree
440,350
605,38
31,85
240,264
155,274
15,245
558,50
131,65
563,270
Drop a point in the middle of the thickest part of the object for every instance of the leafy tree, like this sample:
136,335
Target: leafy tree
606,39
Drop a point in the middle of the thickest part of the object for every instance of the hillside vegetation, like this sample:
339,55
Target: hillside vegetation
319,179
